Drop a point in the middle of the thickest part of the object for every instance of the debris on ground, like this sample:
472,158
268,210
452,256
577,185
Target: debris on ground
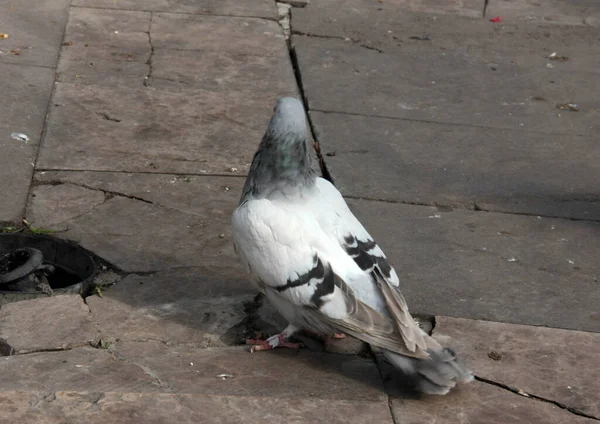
495,356
225,376
568,106
555,56
20,137
496,19
3,35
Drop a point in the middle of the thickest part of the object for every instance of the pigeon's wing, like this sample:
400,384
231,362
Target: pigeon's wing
378,273
290,255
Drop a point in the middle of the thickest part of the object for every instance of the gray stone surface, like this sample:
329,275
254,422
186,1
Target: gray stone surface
84,369
483,75
147,222
105,47
52,206
125,408
25,95
461,166
58,322
555,364
256,8
479,403
497,267
35,30
282,373
199,306
582,13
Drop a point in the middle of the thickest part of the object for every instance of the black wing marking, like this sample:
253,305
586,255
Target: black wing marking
321,276
359,251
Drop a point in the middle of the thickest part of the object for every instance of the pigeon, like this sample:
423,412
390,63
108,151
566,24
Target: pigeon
317,264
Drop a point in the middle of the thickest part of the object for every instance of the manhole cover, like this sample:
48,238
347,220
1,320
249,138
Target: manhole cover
33,265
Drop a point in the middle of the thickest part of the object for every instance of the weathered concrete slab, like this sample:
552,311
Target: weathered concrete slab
185,193
555,364
57,322
480,403
484,75
142,130
497,267
472,167
198,306
106,47
256,8
25,95
52,206
583,13
138,236
123,408
83,369
283,373
34,31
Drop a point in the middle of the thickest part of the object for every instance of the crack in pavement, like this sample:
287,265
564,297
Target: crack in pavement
338,37
465,206
148,77
520,392
156,379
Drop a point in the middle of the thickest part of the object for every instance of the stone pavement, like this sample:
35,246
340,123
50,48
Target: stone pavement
446,132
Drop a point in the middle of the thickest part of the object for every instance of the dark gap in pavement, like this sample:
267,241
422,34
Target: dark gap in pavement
148,78
204,174
338,37
294,59
520,392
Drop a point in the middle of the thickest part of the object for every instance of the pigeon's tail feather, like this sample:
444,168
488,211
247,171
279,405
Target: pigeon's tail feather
436,375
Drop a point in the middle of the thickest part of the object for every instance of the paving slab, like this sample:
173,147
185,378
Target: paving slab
121,408
52,206
198,306
84,369
26,91
583,13
134,235
479,403
185,193
146,222
418,66
491,266
282,373
57,322
461,166
555,364
35,31
252,8
106,47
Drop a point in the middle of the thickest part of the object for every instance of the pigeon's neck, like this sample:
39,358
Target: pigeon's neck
280,166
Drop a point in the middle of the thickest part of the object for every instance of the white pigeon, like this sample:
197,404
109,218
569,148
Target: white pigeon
317,264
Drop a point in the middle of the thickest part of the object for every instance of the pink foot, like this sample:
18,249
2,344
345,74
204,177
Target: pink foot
278,340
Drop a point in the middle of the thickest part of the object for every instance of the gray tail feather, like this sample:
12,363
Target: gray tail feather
436,375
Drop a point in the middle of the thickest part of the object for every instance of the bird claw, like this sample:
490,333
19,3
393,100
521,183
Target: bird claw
278,340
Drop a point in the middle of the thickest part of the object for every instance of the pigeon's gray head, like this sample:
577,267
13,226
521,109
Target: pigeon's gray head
282,159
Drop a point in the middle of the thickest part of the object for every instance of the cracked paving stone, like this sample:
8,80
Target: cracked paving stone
185,193
109,48
248,8
53,205
58,322
492,266
282,373
158,408
82,369
409,162
478,403
555,364
25,94
196,305
35,31
484,75
137,236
